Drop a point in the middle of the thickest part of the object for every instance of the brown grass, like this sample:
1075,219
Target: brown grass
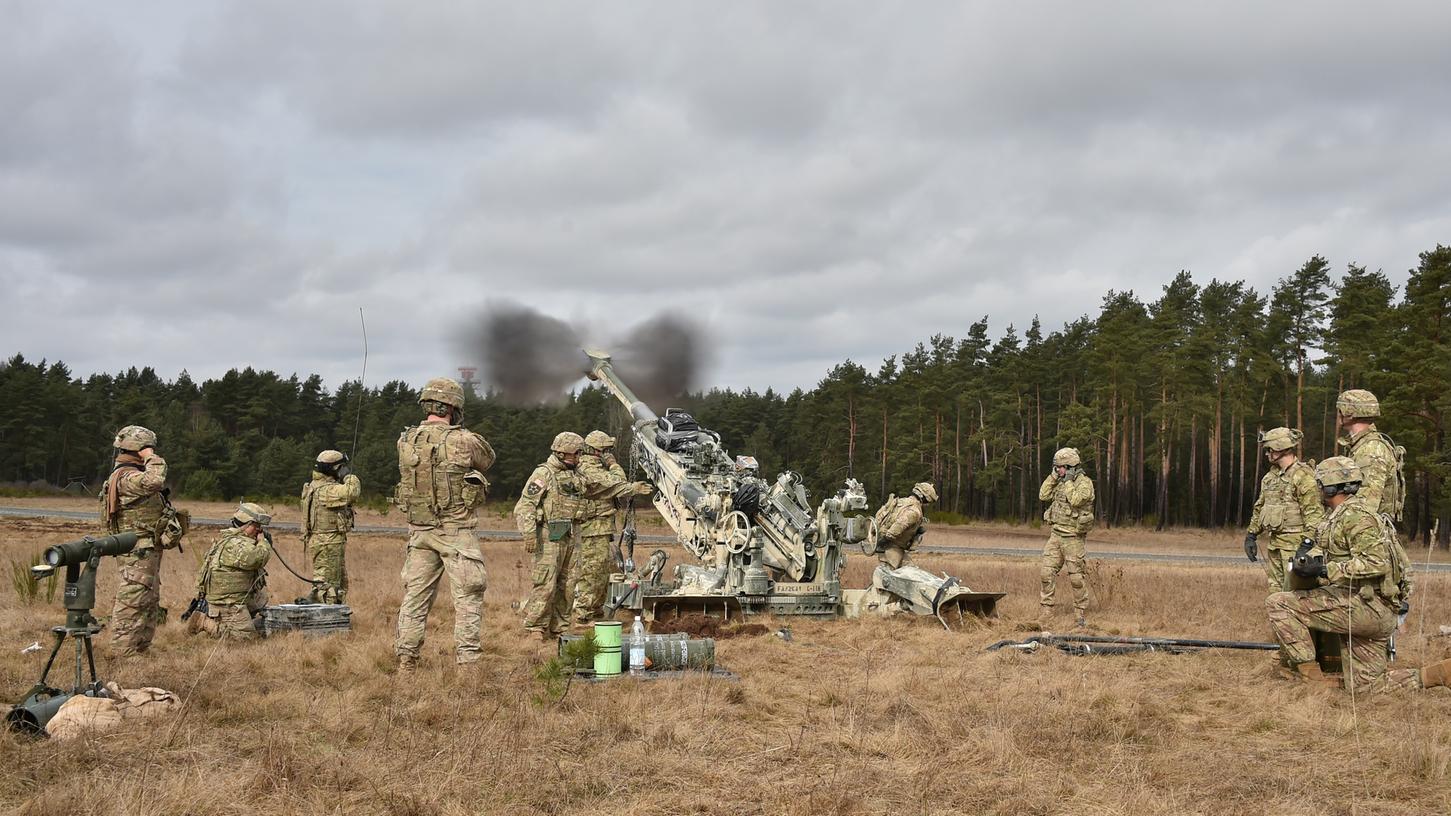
851,717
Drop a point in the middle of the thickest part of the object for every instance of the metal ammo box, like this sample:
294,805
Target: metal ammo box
309,619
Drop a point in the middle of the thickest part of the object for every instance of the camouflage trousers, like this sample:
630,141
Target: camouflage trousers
591,576
328,566
894,556
230,621
547,609
1279,550
1339,610
138,599
431,553
1062,551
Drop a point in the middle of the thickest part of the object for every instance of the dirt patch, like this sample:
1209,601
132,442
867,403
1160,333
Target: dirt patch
700,626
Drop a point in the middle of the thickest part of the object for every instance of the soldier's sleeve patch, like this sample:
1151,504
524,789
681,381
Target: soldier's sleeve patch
534,488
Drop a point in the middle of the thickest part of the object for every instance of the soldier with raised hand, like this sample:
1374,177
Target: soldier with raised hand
550,511
233,578
900,525
604,479
327,516
1288,507
441,484
134,500
1373,451
1359,576
1070,516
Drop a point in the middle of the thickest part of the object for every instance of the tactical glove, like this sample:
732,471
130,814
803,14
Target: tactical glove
1307,567
531,542
1251,549
608,459
1404,609
344,471
644,489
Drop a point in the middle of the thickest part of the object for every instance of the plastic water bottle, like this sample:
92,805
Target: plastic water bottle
637,647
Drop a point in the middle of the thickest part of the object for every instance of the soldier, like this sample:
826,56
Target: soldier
1359,576
327,516
1070,517
603,477
548,514
135,500
233,578
899,525
1375,453
441,484
1288,507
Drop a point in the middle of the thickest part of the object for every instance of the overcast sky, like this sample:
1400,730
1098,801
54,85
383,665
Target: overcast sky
213,185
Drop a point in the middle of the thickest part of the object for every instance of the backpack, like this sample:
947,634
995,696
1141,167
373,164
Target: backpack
1396,586
1398,498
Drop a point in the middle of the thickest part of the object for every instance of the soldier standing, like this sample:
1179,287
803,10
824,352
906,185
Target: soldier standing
1288,507
1360,577
134,500
548,514
899,525
1070,517
1375,453
441,484
327,516
233,578
603,477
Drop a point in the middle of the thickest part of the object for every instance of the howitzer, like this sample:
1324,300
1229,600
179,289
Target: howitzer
763,547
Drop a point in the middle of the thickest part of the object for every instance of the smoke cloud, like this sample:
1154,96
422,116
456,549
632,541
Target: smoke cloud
530,358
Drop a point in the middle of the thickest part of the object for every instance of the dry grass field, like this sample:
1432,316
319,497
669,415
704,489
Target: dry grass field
871,716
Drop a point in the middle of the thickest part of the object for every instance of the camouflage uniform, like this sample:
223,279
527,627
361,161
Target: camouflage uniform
549,514
440,487
1289,509
1358,597
233,579
327,516
1374,453
591,575
899,529
132,501
1069,517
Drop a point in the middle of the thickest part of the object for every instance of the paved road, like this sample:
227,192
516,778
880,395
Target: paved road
1011,552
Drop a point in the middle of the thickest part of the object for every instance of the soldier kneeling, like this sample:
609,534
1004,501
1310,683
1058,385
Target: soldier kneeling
1360,578
232,587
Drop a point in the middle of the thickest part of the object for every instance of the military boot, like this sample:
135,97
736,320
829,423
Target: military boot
1081,622
1308,673
1436,674
407,663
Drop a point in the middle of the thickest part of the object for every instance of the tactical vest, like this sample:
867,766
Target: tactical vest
1061,514
141,515
1281,511
887,515
318,517
564,495
431,488
1388,586
224,580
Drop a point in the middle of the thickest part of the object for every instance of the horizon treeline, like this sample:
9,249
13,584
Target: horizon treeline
1163,397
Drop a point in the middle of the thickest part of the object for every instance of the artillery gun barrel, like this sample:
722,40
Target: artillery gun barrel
601,370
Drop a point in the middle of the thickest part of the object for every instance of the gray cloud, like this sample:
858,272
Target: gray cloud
812,181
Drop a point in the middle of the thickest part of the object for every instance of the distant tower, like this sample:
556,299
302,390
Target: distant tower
466,378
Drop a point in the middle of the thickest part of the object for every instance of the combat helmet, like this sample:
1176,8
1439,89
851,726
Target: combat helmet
1280,439
1066,456
1337,473
1357,402
599,440
567,442
248,512
444,390
925,491
330,460
134,438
